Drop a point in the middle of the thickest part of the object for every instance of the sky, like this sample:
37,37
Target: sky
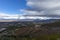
12,6
10,9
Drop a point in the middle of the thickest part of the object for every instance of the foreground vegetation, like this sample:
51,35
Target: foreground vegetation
44,37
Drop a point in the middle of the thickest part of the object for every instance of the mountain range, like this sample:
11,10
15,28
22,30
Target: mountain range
30,20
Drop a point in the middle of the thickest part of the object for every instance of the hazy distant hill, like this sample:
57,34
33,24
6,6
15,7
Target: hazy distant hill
39,20
54,24
26,20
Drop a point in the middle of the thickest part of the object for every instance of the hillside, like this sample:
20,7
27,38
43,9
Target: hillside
33,30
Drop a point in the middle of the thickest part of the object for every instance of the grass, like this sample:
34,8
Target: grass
43,37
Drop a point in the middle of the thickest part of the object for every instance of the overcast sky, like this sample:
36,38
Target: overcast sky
13,8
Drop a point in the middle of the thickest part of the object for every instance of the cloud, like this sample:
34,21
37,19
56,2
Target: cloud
15,16
31,12
42,7
8,16
44,4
